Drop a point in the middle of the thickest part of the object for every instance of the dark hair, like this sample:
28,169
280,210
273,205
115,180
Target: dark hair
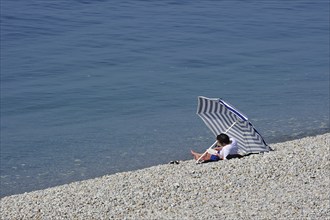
223,139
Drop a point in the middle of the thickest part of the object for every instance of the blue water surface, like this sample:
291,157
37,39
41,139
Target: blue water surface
90,88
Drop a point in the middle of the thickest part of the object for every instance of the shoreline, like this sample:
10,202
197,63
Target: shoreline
290,182
185,157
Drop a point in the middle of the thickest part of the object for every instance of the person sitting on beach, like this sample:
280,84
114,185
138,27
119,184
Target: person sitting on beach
227,149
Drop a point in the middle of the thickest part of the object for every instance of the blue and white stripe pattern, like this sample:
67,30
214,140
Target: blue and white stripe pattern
222,117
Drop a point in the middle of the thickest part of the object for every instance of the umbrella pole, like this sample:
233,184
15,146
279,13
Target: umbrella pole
197,161
230,127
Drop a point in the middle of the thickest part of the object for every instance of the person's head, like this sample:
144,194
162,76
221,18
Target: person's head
223,139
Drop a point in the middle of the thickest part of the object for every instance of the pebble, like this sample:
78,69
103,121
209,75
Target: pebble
291,182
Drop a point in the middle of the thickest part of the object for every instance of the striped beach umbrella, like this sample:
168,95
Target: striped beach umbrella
221,117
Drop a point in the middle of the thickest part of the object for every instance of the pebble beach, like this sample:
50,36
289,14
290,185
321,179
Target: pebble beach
291,182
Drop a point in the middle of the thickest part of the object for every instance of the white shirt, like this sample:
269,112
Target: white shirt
229,149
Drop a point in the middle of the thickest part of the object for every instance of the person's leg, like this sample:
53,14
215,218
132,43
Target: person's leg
206,156
196,155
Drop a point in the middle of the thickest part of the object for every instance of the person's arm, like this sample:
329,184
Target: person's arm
218,148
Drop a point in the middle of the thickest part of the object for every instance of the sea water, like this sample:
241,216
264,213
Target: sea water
90,88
